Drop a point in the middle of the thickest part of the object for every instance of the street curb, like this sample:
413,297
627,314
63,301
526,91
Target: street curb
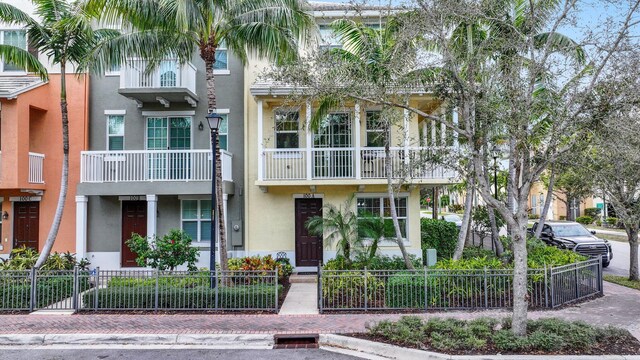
332,342
245,341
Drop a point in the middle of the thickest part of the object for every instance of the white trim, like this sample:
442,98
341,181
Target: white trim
260,141
194,197
198,220
25,198
124,119
382,194
221,111
81,225
132,198
308,196
115,112
309,138
221,72
169,113
356,143
152,215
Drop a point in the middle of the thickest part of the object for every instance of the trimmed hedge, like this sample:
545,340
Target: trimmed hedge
440,235
170,297
15,294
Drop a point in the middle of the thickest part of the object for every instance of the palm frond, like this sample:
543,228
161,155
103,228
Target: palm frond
23,59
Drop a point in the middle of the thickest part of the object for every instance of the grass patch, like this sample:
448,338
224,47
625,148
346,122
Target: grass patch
622,280
492,336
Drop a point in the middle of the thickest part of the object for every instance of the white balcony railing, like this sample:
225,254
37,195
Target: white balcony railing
151,165
168,74
350,163
36,165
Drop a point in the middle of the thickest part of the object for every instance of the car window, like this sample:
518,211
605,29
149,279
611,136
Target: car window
546,229
570,230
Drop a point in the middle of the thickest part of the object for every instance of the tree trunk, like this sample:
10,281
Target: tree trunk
207,52
64,179
468,206
632,235
520,296
547,204
392,200
511,178
495,232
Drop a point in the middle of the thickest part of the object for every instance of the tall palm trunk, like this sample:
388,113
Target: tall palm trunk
64,180
392,199
208,54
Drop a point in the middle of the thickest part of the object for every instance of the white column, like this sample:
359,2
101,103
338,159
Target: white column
81,226
225,198
152,215
308,138
260,142
356,130
455,123
405,124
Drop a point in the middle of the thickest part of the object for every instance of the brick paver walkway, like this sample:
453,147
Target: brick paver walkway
620,307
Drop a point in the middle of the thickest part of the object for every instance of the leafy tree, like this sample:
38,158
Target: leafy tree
339,225
164,253
270,29
64,33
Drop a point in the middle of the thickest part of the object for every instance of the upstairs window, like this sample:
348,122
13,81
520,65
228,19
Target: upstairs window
223,132
115,132
375,129
287,125
328,38
17,38
222,61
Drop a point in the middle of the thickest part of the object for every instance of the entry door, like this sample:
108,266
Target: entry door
134,220
333,143
169,133
26,223
308,247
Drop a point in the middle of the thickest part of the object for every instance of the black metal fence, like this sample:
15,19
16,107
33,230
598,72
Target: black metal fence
80,290
437,289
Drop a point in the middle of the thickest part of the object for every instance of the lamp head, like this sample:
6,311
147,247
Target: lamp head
214,120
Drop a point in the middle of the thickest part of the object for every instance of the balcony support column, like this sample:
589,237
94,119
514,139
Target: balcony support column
81,226
356,130
152,215
405,125
309,139
260,142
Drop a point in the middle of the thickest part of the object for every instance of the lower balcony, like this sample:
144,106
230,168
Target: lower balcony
415,164
151,165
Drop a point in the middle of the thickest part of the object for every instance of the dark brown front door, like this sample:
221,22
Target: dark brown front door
134,220
26,223
308,247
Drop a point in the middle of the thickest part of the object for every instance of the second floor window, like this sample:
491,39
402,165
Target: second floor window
287,124
115,132
17,38
375,129
223,132
222,61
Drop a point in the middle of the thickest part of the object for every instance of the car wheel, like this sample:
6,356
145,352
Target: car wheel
605,264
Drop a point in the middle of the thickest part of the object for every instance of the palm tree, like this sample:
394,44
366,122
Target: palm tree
269,29
65,35
339,225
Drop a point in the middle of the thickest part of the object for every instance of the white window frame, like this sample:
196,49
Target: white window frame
168,115
367,130
2,63
222,47
199,220
275,126
109,116
382,196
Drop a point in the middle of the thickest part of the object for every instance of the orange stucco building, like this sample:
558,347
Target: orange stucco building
31,158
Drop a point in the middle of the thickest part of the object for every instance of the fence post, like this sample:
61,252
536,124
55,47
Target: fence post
76,289
486,290
155,302
426,302
276,276
32,290
95,297
320,287
216,300
552,287
546,287
575,266
365,289
600,279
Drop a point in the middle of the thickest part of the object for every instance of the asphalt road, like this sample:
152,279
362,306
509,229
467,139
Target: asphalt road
620,262
170,354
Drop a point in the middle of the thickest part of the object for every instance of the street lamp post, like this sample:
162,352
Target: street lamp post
214,121
495,152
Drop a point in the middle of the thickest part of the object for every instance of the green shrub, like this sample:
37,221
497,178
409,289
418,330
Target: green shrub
598,222
613,222
407,330
562,217
24,258
455,208
440,235
15,293
164,253
170,297
584,220
541,254
378,262
347,290
405,290
257,263
534,216
593,212
477,252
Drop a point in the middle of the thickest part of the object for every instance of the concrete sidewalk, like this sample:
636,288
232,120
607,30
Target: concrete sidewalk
619,307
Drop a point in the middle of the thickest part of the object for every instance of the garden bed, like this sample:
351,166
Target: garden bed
486,336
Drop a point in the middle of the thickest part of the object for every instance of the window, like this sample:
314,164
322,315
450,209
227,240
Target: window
17,38
287,124
328,38
222,61
196,219
379,206
375,129
223,132
115,132
113,70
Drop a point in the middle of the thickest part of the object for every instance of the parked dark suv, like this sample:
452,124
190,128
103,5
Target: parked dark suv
574,236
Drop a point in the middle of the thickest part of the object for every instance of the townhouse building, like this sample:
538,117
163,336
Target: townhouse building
31,148
147,168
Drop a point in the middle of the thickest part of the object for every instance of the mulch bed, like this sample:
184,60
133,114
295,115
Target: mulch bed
628,345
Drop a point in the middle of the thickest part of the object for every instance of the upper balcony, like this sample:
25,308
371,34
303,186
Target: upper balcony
34,175
169,82
151,165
